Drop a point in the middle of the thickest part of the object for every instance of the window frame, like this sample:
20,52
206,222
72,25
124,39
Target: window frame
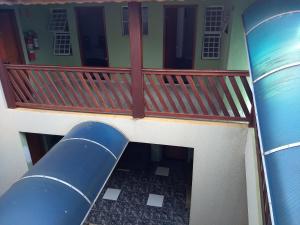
214,33
55,49
145,24
52,27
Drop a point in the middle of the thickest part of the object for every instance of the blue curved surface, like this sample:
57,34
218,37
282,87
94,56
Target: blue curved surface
62,187
273,39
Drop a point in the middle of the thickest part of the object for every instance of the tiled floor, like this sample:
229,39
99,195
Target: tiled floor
131,207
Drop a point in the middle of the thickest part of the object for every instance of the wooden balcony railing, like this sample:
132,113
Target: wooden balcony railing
264,198
218,95
82,89
224,95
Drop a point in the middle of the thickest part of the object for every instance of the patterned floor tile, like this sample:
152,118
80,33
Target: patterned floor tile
136,185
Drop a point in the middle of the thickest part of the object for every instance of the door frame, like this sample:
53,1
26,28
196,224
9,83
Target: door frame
194,36
77,9
13,17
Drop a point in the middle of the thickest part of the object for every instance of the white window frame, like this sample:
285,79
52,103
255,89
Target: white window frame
145,21
216,33
56,51
64,24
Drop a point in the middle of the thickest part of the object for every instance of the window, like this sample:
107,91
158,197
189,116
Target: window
212,32
62,44
145,20
125,20
211,46
58,24
213,19
58,20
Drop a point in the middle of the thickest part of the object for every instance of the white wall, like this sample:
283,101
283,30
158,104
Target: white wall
252,177
219,184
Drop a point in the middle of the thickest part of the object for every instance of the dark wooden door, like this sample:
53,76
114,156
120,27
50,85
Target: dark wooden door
182,40
92,36
36,147
10,48
170,35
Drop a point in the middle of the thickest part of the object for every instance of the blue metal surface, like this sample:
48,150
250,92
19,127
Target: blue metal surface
273,40
61,188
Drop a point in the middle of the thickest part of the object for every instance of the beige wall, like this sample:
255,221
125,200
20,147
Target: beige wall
253,190
219,184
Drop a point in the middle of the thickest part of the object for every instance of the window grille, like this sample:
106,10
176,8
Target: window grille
212,32
62,44
58,21
125,20
211,46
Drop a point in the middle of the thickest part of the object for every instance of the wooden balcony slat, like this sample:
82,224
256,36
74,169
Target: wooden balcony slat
53,86
105,91
96,90
195,92
127,86
75,100
40,92
247,88
18,90
157,92
166,92
61,87
28,83
152,100
186,93
178,97
48,91
75,81
88,90
217,95
21,82
207,96
239,96
229,97
121,90
112,89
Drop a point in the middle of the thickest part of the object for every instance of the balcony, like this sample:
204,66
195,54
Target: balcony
185,94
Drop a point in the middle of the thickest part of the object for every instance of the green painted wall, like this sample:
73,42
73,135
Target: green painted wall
118,45
237,55
36,18
233,52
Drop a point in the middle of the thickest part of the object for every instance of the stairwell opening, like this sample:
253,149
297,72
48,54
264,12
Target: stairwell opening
150,184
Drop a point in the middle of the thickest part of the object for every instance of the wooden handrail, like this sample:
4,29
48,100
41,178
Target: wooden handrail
240,73
68,68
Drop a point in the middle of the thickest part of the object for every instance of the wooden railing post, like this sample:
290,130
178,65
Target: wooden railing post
252,118
136,57
7,87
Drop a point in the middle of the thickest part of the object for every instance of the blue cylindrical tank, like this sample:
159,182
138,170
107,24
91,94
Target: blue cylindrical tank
273,38
62,187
